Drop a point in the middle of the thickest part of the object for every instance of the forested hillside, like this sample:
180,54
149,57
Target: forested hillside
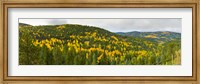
71,44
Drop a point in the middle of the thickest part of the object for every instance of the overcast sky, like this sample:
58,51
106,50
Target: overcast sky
116,25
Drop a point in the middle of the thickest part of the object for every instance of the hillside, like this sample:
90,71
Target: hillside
155,36
64,31
72,44
24,24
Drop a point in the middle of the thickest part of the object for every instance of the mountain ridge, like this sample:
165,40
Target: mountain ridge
153,36
158,35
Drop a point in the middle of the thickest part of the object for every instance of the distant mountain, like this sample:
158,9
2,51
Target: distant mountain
160,35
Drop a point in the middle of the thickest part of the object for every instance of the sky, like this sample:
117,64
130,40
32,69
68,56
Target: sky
117,25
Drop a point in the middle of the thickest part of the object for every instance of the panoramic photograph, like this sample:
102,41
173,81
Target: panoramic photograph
100,41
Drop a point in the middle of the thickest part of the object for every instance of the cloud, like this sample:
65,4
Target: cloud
118,25
127,25
57,21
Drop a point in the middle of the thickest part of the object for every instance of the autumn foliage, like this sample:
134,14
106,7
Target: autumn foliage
86,45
